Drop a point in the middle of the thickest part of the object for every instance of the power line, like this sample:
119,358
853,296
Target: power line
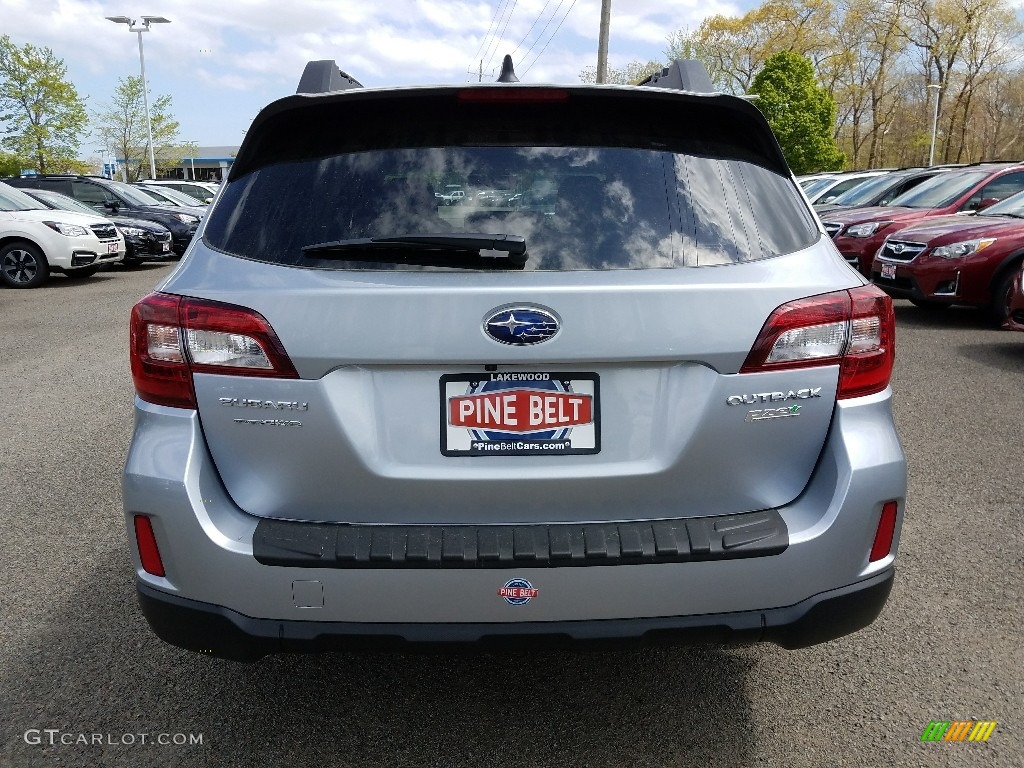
546,4
501,35
480,49
545,29
552,36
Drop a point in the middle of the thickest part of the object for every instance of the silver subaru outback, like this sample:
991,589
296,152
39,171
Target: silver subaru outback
626,390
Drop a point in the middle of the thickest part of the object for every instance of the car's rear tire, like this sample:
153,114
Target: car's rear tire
81,273
22,265
929,304
999,307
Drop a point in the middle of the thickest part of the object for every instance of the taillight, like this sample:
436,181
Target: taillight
149,554
173,337
855,329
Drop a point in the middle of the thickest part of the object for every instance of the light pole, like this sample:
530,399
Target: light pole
935,123
144,27
602,42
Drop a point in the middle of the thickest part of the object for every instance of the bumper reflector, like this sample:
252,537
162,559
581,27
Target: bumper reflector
885,532
148,552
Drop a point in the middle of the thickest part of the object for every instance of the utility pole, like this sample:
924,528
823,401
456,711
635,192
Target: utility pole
602,41
480,75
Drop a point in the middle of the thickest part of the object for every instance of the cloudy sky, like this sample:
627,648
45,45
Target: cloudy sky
222,61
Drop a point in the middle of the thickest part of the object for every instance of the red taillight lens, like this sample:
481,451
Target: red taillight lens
148,552
224,338
886,530
159,367
173,337
867,365
854,329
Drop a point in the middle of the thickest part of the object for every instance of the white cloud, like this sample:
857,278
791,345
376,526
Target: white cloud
225,60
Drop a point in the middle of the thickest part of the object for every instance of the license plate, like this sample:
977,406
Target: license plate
165,246
889,271
111,247
535,413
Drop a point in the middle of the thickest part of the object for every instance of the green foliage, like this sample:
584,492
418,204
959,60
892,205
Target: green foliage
121,125
801,113
11,165
41,112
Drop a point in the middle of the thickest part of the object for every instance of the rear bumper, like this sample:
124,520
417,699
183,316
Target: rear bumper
234,581
226,633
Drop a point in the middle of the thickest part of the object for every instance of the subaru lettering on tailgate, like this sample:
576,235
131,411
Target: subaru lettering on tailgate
519,414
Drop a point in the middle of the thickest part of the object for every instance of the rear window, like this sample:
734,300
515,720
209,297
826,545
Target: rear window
634,201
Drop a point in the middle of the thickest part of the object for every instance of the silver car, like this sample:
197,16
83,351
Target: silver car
649,401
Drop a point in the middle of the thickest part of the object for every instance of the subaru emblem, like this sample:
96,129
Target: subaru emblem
520,326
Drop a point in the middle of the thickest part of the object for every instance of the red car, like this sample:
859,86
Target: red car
1015,304
956,259
858,234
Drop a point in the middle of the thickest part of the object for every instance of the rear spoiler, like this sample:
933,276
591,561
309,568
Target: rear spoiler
682,75
325,77
327,94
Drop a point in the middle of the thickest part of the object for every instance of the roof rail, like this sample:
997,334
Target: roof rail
325,77
684,75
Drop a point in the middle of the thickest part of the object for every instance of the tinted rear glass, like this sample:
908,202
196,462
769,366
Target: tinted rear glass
631,201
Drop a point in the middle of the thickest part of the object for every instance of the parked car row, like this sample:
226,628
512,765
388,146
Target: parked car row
956,236
145,226
35,240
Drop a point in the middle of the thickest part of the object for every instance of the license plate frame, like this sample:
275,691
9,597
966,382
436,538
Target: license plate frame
467,427
888,271
112,248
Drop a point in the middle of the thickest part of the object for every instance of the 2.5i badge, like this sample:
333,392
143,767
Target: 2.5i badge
520,414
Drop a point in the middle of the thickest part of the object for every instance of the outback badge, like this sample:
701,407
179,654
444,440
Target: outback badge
520,326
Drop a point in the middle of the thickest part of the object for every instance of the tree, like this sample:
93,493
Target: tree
631,74
10,165
45,117
170,157
122,127
875,57
801,113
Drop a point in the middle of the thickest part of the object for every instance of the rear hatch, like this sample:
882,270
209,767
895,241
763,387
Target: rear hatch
569,350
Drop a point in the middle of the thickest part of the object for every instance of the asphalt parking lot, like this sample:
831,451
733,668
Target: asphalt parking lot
77,659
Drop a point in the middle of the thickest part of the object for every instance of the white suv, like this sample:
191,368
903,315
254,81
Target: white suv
35,240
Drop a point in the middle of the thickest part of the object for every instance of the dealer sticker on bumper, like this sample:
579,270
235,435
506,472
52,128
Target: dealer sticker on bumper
520,414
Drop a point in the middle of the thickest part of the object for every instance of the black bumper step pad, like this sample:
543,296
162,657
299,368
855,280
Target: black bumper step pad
342,545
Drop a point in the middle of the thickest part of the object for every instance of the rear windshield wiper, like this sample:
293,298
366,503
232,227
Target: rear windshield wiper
450,248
